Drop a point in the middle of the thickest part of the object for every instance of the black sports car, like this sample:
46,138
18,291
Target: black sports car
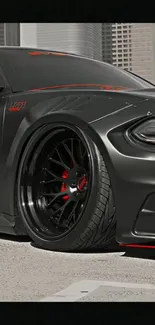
77,151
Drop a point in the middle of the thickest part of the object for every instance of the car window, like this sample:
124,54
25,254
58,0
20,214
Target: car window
26,70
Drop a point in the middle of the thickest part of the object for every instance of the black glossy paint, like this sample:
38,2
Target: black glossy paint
105,116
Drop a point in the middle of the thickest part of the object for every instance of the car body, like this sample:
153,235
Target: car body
115,108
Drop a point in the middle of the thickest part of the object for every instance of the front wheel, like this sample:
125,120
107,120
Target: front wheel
63,191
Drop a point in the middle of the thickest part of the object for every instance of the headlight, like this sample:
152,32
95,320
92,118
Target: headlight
145,132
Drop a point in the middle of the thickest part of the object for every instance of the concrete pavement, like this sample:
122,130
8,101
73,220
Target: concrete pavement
31,274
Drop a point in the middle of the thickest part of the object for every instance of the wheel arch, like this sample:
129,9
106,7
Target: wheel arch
24,134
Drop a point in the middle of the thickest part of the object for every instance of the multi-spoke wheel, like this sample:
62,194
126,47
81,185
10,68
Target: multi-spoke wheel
64,191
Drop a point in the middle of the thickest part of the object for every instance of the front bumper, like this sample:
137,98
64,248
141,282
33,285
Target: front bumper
132,174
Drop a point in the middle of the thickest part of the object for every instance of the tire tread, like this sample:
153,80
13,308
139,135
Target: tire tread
101,229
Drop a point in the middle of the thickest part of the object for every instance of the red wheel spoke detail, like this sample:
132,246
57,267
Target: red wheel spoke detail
64,186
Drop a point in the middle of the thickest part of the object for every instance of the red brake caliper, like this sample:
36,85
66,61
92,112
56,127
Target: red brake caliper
82,183
64,186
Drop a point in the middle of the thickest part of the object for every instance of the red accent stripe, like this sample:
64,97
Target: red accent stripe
137,246
36,53
14,109
64,186
59,54
104,87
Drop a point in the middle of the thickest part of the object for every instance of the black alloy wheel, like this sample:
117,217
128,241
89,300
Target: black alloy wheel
63,191
56,182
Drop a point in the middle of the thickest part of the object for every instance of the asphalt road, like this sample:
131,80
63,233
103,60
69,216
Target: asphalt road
31,274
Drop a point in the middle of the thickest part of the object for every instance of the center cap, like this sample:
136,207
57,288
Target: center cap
82,183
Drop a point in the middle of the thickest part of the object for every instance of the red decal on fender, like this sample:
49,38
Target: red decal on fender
17,106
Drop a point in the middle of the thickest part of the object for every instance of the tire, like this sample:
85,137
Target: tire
92,222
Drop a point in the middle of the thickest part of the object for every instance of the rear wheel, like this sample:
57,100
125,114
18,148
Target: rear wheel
64,193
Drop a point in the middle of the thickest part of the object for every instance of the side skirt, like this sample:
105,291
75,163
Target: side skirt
12,225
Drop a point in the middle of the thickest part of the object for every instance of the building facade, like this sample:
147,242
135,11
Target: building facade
143,56
9,34
2,43
117,45
130,46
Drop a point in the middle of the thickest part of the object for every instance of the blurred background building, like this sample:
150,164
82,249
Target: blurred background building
116,45
129,46
1,34
9,34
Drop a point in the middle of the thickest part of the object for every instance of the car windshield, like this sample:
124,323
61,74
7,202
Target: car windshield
27,69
